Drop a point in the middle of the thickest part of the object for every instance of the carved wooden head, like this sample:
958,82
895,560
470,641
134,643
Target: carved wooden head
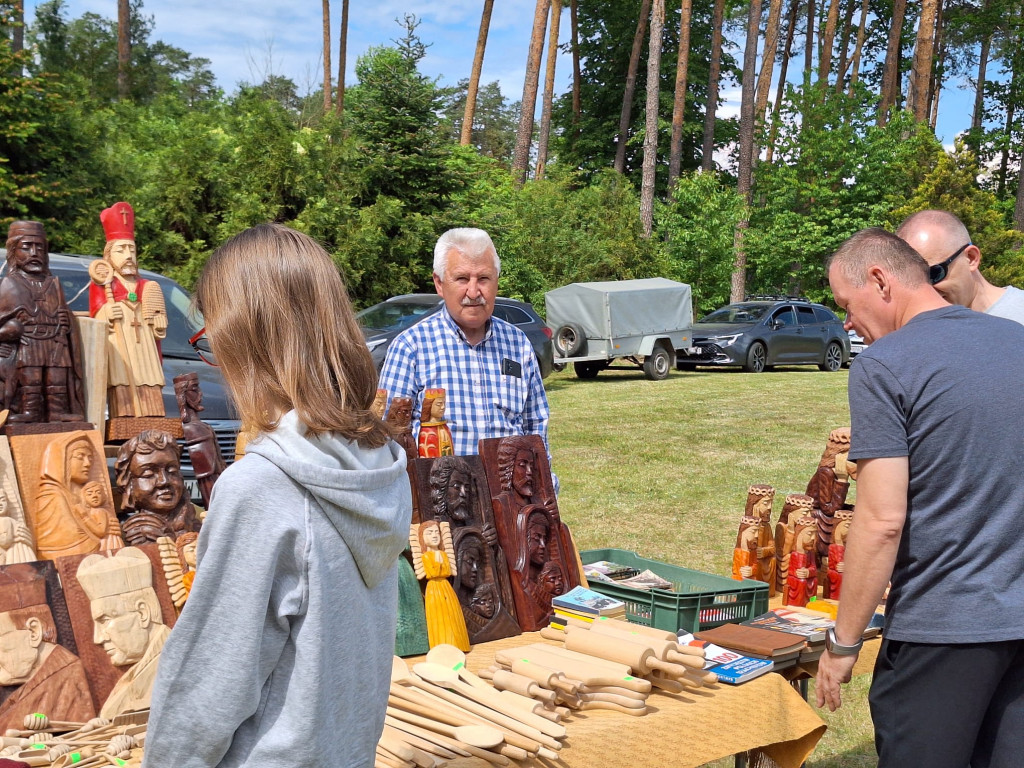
451,490
148,471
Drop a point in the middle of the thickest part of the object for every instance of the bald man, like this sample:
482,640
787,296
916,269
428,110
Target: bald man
954,261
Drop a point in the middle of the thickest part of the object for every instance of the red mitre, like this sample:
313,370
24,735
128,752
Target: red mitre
118,222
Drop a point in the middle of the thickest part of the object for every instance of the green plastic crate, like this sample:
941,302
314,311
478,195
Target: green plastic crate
698,601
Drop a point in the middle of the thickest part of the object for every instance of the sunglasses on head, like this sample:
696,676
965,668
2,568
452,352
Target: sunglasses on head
938,272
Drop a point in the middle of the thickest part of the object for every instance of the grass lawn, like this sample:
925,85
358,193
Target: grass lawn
662,468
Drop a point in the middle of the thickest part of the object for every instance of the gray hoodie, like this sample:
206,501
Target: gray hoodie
282,655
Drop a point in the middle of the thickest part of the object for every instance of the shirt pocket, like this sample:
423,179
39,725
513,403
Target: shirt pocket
510,401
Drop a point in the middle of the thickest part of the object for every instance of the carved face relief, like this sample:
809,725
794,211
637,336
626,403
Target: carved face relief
841,531
437,409
551,579
401,412
457,496
805,539
537,540
30,256
194,396
188,553
469,566
483,602
156,482
80,462
522,474
94,495
380,401
431,536
763,507
118,627
122,258
19,652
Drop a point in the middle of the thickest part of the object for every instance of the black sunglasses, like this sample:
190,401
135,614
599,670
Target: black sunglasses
938,272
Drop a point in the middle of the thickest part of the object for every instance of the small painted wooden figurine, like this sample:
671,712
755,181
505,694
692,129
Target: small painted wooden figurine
797,505
435,437
744,554
759,505
433,554
400,417
178,559
802,583
837,554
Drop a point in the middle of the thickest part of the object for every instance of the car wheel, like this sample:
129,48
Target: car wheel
587,369
657,364
833,358
757,357
570,340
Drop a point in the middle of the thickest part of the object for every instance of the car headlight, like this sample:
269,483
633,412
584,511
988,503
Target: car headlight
725,341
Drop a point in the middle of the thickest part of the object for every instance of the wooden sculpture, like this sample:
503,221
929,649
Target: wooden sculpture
828,487
66,490
453,489
759,505
802,581
432,554
837,554
38,673
797,505
40,351
530,531
178,558
744,554
127,621
435,437
200,439
153,490
380,403
400,418
17,544
136,320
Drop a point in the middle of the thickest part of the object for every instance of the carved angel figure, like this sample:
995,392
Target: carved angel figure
432,556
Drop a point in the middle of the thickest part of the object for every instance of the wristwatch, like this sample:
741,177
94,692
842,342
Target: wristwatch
838,649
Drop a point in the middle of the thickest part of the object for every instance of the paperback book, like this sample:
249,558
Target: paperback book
811,625
728,665
582,600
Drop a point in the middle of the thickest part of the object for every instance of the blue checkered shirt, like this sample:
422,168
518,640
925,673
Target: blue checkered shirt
480,402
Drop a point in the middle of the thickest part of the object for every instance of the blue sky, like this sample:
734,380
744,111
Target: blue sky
249,39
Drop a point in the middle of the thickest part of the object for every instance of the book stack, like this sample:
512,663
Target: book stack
607,571
782,648
803,622
728,665
586,605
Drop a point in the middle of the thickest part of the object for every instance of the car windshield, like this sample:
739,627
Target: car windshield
736,313
393,315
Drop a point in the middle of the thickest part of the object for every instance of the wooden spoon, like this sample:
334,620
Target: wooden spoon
481,736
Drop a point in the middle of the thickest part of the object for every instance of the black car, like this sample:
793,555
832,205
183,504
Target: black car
766,331
178,355
383,322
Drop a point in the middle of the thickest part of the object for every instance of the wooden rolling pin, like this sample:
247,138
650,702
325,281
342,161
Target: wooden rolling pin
640,658
666,650
612,689
576,666
544,676
506,680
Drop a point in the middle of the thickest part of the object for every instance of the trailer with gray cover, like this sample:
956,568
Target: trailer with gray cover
641,321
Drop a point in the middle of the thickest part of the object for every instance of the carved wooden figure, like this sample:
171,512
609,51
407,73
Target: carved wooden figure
759,505
802,581
797,505
400,417
432,554
153,490
837,554
829,486
435,437
178,558
122,613
530,532
380,403
66,491
17,544
39,669
136,318
744,553
40,350
200,439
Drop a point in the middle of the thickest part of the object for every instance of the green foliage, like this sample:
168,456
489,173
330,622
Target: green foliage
494,121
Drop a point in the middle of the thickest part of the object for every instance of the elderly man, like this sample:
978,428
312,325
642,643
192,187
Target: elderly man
486,366
941,238
936,413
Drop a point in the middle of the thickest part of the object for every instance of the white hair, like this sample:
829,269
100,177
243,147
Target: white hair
470,242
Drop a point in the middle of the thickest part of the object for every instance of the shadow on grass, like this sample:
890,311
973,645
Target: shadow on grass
861,755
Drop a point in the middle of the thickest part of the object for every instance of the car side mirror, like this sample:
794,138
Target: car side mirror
776,324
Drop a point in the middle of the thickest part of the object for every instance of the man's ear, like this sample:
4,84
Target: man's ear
973,255
437,284
145,615
879,280
35,629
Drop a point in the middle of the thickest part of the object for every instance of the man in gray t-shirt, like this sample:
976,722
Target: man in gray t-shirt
936,415
941,239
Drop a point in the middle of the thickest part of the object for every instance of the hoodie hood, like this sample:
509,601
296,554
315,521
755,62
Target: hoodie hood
363,492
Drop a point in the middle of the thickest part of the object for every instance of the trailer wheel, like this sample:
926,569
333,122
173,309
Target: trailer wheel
587,369
657,364
571,340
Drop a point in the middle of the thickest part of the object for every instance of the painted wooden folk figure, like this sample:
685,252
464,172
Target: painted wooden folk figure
759,505
744,553
42,675
380,403
178,558
200,439
149,475
837,554
797,505
136,318
829,486
433,554
802,582
435,436
40,350
400,417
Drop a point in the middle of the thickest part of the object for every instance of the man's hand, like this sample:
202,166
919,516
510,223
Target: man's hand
833,671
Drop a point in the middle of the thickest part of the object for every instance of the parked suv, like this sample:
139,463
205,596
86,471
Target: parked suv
178,355
769,330
382,322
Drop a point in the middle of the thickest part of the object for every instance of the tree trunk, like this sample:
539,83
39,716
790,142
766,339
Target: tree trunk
844,45
549,87
651,125
1018,208
524,134
827,42
809,42
935,84
124,49
787,54
746,159
859,47
18,27
328,90
771,45
979,91
708,146
474,76
675,158
339,104
890,72
627,98
921,73
577,104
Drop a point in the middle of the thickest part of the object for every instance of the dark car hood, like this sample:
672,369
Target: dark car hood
720,329
216,404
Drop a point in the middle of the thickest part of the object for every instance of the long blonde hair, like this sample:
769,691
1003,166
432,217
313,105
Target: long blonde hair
280,322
